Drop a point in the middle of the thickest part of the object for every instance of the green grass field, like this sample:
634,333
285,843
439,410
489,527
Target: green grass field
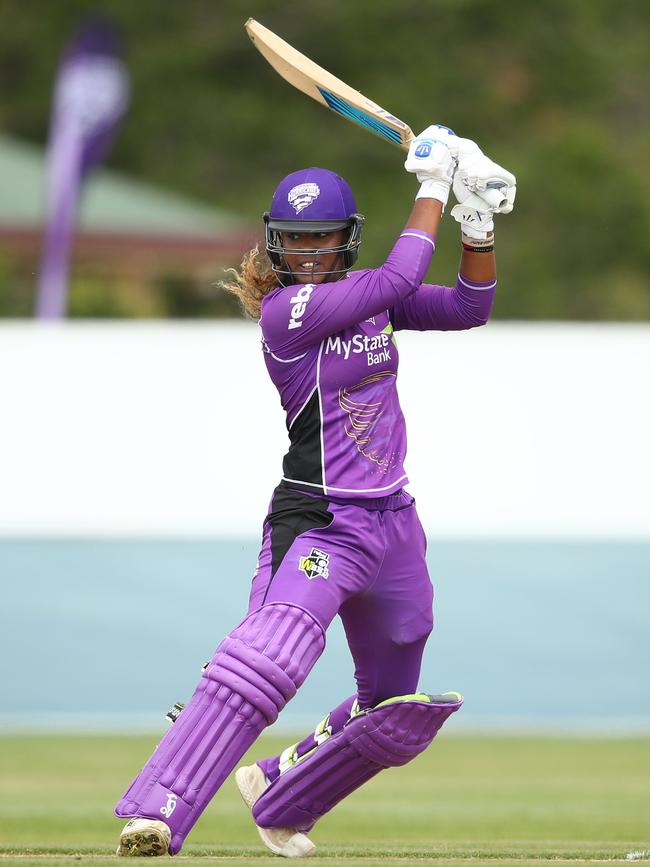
467,800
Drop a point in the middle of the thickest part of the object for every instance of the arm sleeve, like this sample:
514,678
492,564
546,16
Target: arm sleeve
444,308
297,317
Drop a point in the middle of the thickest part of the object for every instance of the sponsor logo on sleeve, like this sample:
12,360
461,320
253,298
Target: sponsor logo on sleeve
315,564
299,302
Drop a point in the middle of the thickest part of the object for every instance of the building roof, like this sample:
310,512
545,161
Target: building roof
112,202
116,213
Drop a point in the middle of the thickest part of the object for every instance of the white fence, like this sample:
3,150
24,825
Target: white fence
156,429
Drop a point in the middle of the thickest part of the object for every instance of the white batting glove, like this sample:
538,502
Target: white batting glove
464,149
473,213
482,188
496,185
430,159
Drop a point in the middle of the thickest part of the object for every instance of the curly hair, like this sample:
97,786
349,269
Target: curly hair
254,279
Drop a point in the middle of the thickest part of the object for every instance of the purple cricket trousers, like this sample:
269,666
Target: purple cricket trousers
363,559
373,555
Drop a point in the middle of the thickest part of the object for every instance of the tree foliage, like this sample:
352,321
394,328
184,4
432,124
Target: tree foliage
556,90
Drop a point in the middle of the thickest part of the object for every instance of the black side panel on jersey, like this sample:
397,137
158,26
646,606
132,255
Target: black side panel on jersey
293,513
304,462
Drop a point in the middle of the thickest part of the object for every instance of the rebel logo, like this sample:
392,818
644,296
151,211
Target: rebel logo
299,302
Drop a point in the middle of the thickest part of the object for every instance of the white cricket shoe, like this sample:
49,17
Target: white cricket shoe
144,837
287,842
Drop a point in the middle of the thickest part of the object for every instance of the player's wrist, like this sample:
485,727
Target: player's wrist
477,245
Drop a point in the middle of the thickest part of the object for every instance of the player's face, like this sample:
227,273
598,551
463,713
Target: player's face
305,265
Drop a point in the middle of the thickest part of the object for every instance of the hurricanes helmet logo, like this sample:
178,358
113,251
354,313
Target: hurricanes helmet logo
303,195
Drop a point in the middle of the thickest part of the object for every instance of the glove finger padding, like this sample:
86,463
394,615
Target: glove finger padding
480,171
481,176
464,149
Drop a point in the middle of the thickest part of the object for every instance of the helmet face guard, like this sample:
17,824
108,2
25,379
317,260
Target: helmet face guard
311,201
348,251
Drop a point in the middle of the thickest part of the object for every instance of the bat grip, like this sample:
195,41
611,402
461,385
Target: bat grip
494,196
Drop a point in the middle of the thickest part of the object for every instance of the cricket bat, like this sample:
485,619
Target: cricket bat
325,88
336,95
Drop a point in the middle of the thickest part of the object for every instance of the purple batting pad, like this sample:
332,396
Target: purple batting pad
382,737
253,674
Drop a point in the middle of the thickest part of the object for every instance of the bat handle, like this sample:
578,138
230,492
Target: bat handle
494,196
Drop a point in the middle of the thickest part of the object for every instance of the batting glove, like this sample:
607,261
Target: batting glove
482,188
430,159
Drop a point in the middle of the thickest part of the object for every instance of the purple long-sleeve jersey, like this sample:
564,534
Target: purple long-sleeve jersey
331,353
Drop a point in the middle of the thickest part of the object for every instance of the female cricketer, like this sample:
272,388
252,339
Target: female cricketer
342,536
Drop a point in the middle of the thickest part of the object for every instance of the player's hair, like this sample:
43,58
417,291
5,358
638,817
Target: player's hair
254,279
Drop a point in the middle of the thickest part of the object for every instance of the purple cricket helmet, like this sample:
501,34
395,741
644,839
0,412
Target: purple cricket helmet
313,200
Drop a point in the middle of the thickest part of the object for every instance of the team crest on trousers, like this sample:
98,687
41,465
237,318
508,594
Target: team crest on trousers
316,564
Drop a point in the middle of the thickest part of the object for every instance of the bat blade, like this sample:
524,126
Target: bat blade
322,86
